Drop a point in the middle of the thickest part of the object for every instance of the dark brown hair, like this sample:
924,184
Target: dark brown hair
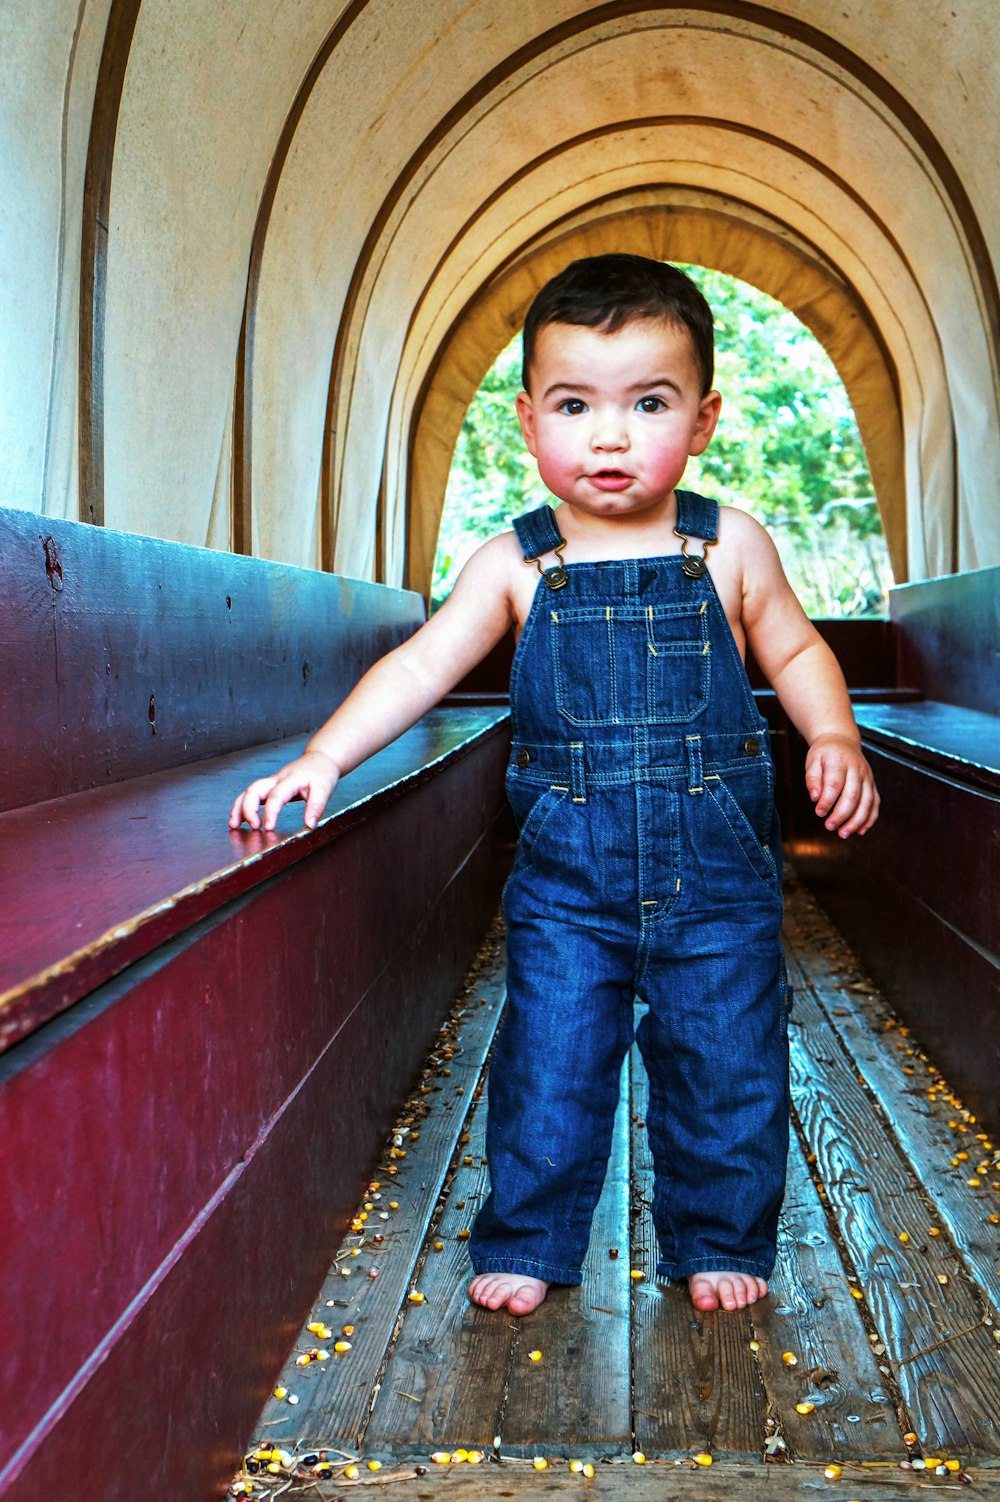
607,292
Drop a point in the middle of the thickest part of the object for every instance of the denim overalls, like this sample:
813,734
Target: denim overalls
649,864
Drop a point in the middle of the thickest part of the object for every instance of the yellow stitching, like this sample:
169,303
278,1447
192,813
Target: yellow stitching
698,789
650,902
704,607
704,650
576,745
712,777
553,614
678,884
649,644
649,611
556,787
579,800
607,612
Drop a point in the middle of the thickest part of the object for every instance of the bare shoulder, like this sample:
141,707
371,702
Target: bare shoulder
749,552
486,583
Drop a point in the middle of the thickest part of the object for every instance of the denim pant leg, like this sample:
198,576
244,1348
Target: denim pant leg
715,1045
553,1090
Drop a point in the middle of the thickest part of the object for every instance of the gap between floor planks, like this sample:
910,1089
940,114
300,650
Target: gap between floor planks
444,1373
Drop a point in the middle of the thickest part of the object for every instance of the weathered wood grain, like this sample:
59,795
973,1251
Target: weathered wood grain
810,1313
446,1379
577,1398
950,1387
335,1397
931,1129
697,1386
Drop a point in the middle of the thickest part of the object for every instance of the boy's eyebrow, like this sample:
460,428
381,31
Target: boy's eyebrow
582,388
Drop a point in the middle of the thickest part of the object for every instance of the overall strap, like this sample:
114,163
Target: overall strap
697,516
538,534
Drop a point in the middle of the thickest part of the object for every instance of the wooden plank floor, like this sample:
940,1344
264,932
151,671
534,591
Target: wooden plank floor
886,1294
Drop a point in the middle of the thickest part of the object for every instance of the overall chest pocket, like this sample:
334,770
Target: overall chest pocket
631,664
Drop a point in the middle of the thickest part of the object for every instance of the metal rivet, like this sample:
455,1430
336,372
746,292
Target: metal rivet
523,758
751,746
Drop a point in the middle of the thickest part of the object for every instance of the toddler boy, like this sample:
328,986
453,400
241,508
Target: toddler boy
649,859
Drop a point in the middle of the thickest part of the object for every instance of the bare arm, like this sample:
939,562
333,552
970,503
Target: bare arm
807,679
395,692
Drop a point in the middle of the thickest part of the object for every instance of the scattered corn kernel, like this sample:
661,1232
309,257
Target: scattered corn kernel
464,1234
703,1459
274,1468
804,1407
637,1274
833,1472
588,1470
302,1360
930,1461
953,1465
910,1439
755,1345
540,1463
460,1454
439,1246
576,1466
394,1204
347,1330
320,1355
281,1392
441,1457
638,1457
943,1279
341,1346
933,1231
475,1457
352,1472
904,1236
415,1297
789,1358
374,1465
973,1183
534,1355
856,1293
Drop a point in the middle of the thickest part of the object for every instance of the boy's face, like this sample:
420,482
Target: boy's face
613,418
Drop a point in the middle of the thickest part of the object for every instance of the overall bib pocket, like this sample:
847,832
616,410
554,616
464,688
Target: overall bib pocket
631,664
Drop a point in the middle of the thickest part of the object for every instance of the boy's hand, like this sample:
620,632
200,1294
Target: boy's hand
312,776
840,783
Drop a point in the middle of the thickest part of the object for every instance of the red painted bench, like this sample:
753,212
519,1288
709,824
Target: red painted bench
206,1034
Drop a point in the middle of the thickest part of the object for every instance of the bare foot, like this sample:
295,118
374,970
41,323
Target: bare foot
725,1290
520,1294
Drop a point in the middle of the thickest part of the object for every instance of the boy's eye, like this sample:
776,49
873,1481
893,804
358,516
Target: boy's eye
571,406
651,404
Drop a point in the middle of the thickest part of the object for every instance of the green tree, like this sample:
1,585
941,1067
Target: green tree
787,449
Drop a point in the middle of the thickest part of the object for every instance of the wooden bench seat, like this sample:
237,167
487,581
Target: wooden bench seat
206,1034
94,880
944,737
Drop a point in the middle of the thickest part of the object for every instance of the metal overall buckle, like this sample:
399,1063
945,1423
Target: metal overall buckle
555,577
694,566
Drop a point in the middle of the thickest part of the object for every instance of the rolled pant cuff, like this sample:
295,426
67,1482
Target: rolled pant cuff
690,1265
528,1267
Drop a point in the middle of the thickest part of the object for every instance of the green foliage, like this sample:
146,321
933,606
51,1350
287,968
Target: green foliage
787,449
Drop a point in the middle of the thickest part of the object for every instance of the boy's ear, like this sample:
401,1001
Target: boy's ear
708,416
526,417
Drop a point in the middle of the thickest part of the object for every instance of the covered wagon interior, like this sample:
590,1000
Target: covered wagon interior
256,263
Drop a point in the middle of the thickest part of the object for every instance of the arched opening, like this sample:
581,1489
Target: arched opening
788,450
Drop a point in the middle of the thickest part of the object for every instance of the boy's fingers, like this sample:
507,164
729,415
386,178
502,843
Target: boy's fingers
846,803
247,805
860,819
833,782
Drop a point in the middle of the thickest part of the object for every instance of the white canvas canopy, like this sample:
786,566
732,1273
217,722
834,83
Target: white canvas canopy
257,259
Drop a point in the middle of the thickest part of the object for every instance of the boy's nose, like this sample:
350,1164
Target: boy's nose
609,432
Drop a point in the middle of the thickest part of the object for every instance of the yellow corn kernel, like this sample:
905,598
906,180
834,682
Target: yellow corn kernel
703,1459
930,1461
460,1454
464,1234
910,1439
281,1392
833,1472
341,1346
576,1466
638,1458
302,1360
588,1470
755,1345
637,1274
394,1204
441,1457
804,1407
347,1330
352,1472
933,1231
953,1465
789,1358
534,1355
415,1297
904,1237
475,1457
439,1246
374,1465
856,1293
540,1463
